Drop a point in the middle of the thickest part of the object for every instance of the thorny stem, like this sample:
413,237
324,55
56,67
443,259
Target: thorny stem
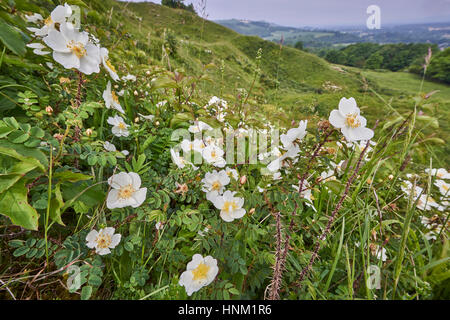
80,86
279,263
281,254
332,217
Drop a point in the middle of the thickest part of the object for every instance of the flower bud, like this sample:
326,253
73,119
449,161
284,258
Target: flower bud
157,123
252,211
136,120
58,136
323,125
390,177
49,110
89,132
243,179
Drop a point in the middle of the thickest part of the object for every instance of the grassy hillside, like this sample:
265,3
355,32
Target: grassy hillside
291,84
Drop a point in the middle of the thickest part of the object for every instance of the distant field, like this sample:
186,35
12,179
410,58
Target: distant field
404,82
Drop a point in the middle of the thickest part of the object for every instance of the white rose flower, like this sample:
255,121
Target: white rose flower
109,146
103,240
439,173
129,77
381,253
126,191
149,117
119,128
426,202
215,181
327,176
199,273
34,18
177,159
293,134
232,173
57,16
108,65
443,186
230,207
73,49
196,145
213,155
348,119
37,48
161,104
199,126
111,99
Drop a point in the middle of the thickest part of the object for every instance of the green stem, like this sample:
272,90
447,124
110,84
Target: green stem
49,195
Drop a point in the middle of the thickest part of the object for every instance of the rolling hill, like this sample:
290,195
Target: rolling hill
290,85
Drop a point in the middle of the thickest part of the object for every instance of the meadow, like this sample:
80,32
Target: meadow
116,180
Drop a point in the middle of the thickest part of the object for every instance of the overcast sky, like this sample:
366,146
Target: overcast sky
300,13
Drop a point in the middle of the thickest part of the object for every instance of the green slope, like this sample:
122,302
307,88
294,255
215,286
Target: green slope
292,85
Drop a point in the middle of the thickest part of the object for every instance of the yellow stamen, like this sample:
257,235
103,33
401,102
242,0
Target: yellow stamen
108,63
48,21
77,48
122,125
216,186
126,192
229,206
103,240
114,96
201,272
352,120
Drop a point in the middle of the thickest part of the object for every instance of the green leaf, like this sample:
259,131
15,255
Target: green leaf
95,280
23,153
37,132
12,38
7,181
69,176
234,291
86,292
179,118
14,204
18,137
16,243
20,251
31,253
55,205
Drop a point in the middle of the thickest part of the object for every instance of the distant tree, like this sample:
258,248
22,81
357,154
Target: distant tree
336,56
178,4
439,68
375,61
299,45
